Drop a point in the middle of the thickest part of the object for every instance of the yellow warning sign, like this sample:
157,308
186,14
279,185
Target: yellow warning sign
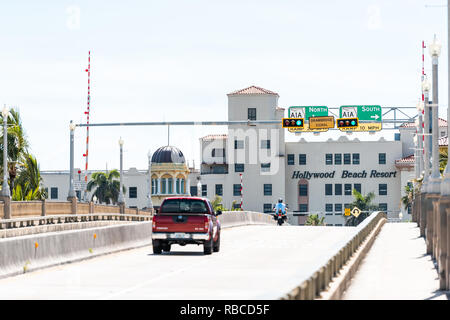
347,212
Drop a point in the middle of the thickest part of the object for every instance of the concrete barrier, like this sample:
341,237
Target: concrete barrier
83,240
33,252
321,279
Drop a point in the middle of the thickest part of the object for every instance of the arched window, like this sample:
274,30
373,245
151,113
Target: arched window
170,186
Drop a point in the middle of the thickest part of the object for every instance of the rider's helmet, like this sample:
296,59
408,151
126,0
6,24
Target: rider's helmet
280,200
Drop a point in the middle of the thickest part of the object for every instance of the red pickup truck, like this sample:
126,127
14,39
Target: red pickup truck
186,220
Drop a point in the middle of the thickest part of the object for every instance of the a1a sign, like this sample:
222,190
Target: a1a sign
364,113
306,112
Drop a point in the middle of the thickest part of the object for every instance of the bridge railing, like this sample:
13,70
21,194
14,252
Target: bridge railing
331,266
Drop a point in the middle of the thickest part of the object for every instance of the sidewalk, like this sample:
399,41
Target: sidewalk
396,268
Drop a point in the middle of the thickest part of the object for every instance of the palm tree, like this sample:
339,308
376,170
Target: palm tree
407,199
17,144
443,158
27,185
106,186
363,203
314,220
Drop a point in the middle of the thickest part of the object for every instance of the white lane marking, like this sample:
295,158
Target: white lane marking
174,272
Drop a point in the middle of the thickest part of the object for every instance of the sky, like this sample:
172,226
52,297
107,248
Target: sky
176,60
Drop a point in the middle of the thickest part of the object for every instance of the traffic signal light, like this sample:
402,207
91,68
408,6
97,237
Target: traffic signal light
293,122
347,123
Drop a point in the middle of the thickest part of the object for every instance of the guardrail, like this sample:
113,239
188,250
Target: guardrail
53,219
330,267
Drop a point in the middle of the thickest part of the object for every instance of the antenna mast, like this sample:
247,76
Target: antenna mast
88,70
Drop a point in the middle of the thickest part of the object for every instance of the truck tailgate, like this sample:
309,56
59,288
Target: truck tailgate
180,223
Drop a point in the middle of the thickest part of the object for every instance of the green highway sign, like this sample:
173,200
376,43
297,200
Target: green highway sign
364,113
306,112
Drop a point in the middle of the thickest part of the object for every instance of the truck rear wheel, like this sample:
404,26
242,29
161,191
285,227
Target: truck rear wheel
165,247
157,248
208,246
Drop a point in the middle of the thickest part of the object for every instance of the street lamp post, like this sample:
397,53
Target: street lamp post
5,187
426,158
121,199
5,194
434,185
426,148
150,189
71,194
419,136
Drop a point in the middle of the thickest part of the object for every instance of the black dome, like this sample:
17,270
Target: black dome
168,154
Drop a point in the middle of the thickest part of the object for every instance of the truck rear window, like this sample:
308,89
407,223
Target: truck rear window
183,206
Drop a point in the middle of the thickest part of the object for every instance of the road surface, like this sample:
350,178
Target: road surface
254,262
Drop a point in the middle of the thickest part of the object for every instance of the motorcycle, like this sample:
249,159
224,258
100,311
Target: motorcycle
280,217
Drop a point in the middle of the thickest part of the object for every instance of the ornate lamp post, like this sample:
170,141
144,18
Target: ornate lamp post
71,194
150,188
426,152
419,136
435,178
5,187
121,199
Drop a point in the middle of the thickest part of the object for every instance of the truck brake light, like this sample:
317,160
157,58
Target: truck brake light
206,223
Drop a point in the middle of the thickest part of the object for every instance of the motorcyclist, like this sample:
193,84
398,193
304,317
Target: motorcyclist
280,206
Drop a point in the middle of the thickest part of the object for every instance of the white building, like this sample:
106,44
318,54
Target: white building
311,177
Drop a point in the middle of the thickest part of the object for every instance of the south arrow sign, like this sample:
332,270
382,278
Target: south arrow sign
364,113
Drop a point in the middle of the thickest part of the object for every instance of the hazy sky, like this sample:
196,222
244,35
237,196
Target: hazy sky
177,60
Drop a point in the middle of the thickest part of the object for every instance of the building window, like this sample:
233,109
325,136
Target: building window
236,189
357,187
265,167
382,158
219,189
182,186
346,205
348,189
267,189
382,189
236,205
177,186
290,159
329,158
194,191
267,208
302,158
303,207
346,158
382,207
204,190
328,207
265,144
239,144
337,158
238,167
53,193
338,207
132,192
163,186
218,153
303,190
154,182
251,113
328,189
356,158
170,186
338,189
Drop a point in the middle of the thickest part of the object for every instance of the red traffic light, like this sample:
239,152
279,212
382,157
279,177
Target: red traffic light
347,123
293,122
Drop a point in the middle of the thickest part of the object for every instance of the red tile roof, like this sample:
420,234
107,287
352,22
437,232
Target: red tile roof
406,162
442,123
210,137
252,90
